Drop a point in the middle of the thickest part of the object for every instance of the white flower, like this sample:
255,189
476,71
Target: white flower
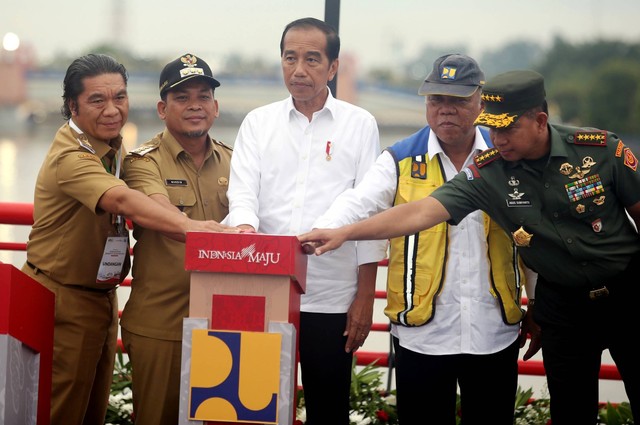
301,413
390,399
359,419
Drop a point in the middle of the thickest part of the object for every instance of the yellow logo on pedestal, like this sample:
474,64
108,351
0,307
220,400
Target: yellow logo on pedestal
235,376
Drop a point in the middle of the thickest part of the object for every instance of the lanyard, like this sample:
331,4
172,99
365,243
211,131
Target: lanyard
118,220
117,159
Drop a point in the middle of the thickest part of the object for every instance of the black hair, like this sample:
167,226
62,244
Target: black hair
333,39
532,112
90,65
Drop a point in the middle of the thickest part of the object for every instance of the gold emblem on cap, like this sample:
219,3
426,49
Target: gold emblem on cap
599,200
580,208
189,60
566,169
521,237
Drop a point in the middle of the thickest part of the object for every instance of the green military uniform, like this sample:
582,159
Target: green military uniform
567,211
63,254
159,299
580,234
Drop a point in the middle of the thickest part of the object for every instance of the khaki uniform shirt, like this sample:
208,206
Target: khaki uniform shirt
159,296
572,203
68,236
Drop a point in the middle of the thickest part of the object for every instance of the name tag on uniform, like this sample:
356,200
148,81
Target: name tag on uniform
112,260
511,203
175,182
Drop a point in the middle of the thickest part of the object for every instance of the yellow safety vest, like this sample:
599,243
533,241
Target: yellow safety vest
417,262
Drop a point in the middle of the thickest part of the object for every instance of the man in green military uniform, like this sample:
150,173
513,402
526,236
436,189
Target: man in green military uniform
563,193
186,171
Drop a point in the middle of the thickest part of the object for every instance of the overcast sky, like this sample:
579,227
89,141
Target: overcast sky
376,31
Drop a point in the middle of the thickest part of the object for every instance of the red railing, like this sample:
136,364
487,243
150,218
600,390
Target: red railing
22,214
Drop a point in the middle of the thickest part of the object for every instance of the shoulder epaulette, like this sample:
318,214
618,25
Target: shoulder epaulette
84,143
486,157
224,145
591,138
146,148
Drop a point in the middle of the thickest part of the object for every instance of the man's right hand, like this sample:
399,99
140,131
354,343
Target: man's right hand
319,241
210,226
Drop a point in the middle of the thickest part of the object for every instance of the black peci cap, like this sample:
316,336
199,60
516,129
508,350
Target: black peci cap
184,68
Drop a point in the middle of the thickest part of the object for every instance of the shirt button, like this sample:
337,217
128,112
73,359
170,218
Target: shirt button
584,264
569,240
555,214
546,185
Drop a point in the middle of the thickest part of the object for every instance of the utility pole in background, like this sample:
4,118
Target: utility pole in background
332,17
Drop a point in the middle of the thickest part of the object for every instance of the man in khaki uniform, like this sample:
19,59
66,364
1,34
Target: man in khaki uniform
185,170
78,245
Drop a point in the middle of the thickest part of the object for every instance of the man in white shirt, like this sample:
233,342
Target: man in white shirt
291,159
453,292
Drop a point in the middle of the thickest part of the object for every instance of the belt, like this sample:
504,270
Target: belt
36,270
598,293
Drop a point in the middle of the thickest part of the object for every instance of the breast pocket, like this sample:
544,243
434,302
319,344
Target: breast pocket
587,208
410,189
527,211
222,198
182,197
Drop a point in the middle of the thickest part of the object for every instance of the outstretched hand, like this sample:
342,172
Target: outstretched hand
211,226
319,241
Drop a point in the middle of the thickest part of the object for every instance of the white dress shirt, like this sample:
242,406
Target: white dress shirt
286,171
467,318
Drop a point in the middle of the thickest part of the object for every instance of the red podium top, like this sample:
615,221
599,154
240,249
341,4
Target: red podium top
248,253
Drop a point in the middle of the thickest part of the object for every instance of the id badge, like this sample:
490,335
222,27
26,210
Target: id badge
113,257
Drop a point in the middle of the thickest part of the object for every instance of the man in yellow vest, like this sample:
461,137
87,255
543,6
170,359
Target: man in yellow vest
453,292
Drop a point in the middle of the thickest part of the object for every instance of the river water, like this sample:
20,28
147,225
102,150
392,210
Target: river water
22,150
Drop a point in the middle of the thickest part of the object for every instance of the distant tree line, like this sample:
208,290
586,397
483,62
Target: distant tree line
595,83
